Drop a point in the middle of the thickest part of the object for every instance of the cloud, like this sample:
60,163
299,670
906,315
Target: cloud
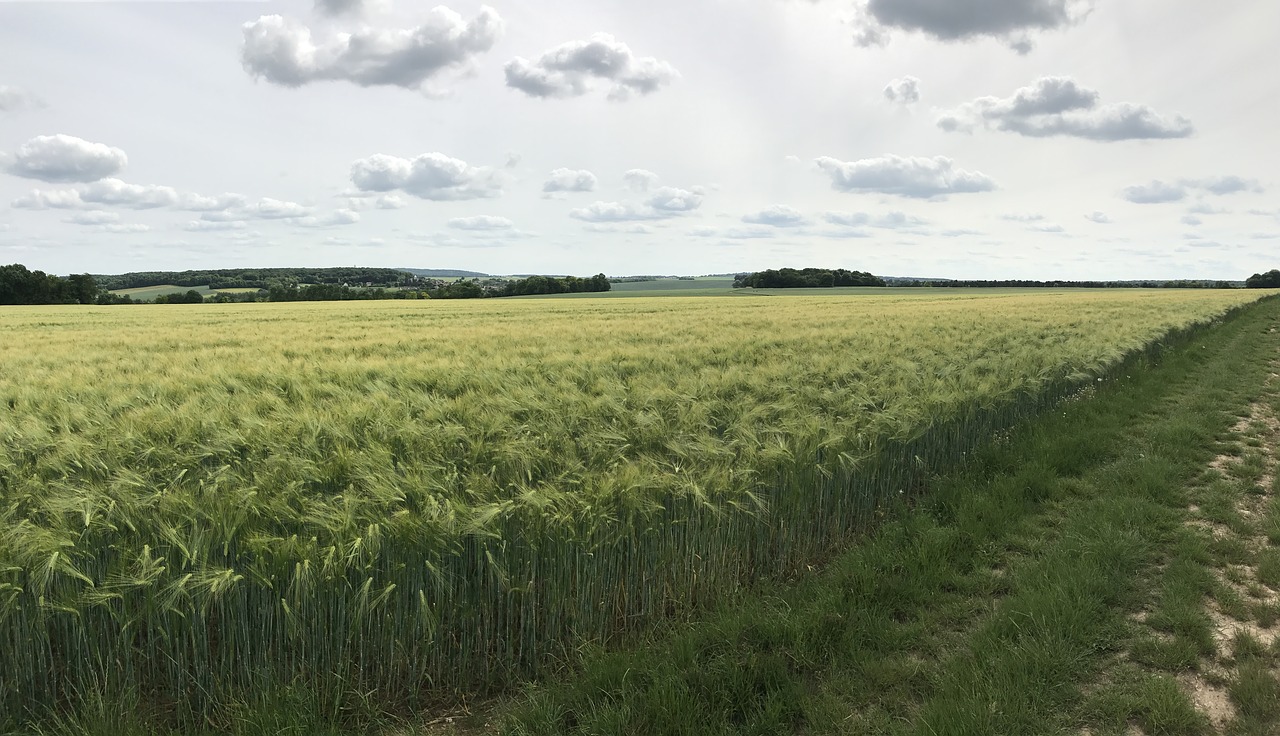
1228,185
905,91
64,158
13,99
1159,191
665,203
779,215
133,196
222,225
636,229
93,217
1154,193
275,209
200,203
285,53
1191,220
1099,217
640,180
481,222
889,221
337,218
390,202
432,176
1054,106
569,70
905,176
963,20
124,229
1048,227
568,180
43,199
673,199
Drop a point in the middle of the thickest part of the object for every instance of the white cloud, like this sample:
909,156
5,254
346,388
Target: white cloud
338,7
432,176
1054,106
285,53
779,215
665,203
481,222
904,176
570,69
640,180
962,20
275,209
1099,217
200,203
905,91
133,196
568,180
390,202
636,229
93,217
64,158
42,199
1228,185
336,218
1022,217
1191,220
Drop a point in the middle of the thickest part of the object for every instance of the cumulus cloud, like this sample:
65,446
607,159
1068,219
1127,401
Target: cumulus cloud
1191,220
13,99
1157,191
1053,106
665,203
481,222
432,176
337,218
1099,217
64,158
904,176
640,180
636,229
779,215
390,202
43,199
905,91
1022,217
275,209
573,68
889,221
568,180
133,196
287,54
963,20
93,217
199,203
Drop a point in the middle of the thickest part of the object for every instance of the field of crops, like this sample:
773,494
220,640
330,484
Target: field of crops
397,497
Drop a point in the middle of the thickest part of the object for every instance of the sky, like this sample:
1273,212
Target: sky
1037,139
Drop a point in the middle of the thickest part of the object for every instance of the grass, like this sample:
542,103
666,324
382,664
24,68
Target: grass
999,604
362,507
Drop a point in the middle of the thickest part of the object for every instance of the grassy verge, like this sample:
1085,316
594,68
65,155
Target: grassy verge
1053,586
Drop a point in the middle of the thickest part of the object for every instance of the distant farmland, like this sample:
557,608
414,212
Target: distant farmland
146,293
388,499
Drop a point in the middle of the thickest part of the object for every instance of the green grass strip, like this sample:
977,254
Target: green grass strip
996,605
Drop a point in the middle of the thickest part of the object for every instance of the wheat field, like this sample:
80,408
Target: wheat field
401,498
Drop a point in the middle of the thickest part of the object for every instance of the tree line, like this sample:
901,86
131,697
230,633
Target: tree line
260,278
19,285
805,278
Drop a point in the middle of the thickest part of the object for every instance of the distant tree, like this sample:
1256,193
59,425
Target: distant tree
1268,280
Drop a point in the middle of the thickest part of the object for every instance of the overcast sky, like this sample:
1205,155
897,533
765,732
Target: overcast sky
965,138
